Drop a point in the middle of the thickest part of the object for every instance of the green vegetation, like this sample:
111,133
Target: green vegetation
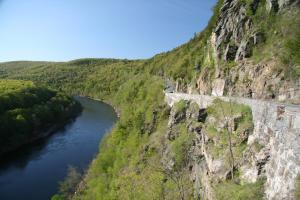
124,169
68,186
234,122
249,5
181,106
181,145
129,165
26,111
121,171
293,52
178,176
282,39
231,190
242,113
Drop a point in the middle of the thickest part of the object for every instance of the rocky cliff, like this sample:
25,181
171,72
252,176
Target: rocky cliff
247,53
246,56
269,149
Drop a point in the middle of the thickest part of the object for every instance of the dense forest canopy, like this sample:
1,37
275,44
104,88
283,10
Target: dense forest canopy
26,110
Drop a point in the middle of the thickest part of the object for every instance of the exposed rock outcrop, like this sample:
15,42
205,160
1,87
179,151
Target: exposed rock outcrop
273,146
232,43
276,5
177,115
232,27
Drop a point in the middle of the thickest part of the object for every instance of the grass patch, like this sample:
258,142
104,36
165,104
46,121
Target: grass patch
181,145
221,109
181,106
241,117
211,131
233,191
282,34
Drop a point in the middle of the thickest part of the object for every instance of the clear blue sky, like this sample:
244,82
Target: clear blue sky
58,30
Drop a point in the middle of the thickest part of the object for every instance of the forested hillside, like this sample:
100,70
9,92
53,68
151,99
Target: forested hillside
29,112
255,57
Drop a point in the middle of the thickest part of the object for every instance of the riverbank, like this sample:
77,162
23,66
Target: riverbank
73,112
82,184
75,145
107,102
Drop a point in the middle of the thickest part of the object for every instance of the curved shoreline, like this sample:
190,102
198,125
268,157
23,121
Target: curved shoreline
76,145
53,128
82,184
106,102
43,134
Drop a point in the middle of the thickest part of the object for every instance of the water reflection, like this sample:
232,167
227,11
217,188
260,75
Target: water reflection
34,171
29,152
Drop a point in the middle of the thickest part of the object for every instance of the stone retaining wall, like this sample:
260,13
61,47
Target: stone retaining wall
277,127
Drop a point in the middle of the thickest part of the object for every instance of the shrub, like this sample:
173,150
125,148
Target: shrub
180,146
180,106
68,186
233,191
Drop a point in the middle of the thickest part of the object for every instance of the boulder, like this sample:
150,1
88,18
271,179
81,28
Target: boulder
218,87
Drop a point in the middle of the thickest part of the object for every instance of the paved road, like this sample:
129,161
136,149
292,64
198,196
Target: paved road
206,100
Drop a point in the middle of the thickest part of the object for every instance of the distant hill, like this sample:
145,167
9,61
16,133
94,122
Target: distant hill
249,49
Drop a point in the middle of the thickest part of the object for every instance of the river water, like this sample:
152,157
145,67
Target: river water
33,173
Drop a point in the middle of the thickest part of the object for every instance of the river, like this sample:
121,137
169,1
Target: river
33,172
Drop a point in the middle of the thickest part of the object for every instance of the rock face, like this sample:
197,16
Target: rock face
235,34
218,87
232,27
230,52
245,49
177,115
273,147
232,41
276,5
